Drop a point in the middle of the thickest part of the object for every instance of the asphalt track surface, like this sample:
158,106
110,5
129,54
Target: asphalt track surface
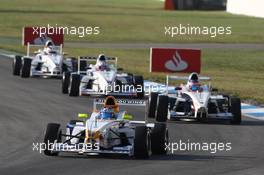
27,105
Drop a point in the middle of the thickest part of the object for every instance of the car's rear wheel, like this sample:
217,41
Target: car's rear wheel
159,138
235,109
52,134
17,64
152,104
139,86
74,63
65,82
75,85
142,142
26,68
83,65
162,108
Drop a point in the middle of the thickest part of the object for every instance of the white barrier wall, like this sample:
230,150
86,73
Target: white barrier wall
246,7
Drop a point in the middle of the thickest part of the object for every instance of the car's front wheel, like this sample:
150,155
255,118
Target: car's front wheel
17,65
75,85
235,109
26,68
142,143
153,104
52,134
65,82
162,108
159,138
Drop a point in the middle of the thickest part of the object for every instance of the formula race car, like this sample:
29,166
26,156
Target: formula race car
102,78
194,101
108,131
48,62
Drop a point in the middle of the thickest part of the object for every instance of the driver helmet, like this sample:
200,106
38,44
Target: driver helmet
49,46
110,103
193,82
101,62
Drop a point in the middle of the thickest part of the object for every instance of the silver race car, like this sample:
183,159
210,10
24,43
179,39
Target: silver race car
194,101
48,62
102,78
108,131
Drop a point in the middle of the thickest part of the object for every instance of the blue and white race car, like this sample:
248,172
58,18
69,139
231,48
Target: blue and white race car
108,131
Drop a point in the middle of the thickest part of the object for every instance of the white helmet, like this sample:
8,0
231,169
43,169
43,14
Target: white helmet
193,82
101,59
49,46
101,62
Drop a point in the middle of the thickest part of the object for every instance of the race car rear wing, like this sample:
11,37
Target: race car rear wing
95,58
37,36
85,59
125,102
59,48
173,77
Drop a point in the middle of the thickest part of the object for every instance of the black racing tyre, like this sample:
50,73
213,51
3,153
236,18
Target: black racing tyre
66,78
74,64
83,65
139,84
52,133
162,108
142,143
75,85
159,138
235,109
153,104
17,65
26,68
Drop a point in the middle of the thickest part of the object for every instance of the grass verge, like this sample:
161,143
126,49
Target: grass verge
122,21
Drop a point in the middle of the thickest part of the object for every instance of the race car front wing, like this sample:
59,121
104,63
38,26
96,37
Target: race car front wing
92,92
83,148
